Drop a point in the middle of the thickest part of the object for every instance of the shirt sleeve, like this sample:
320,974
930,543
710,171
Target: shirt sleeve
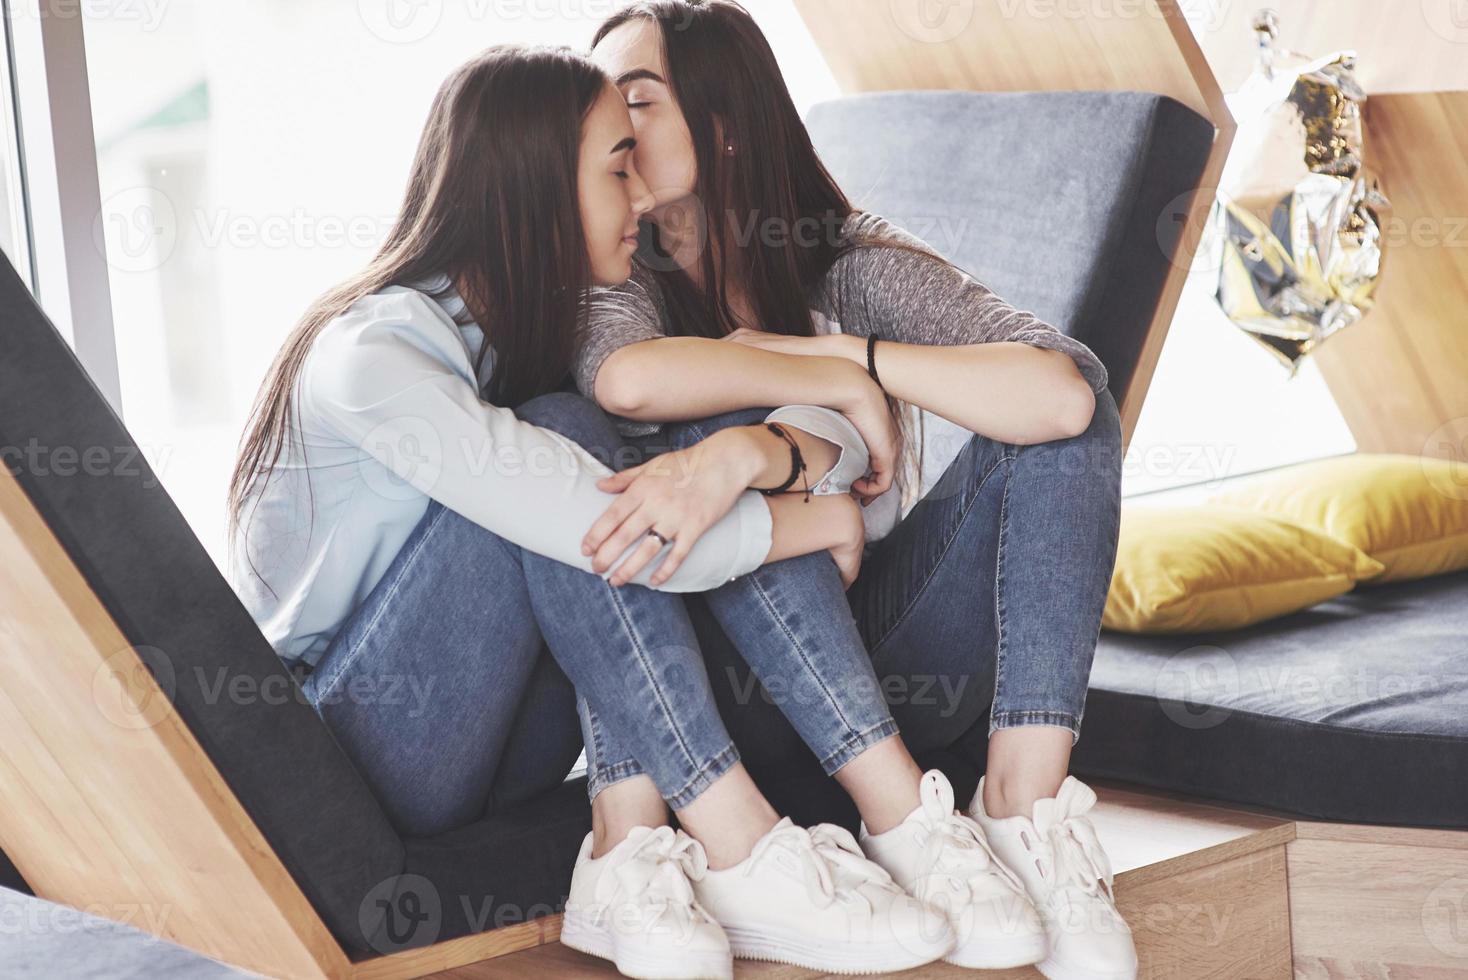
913,299
616,316
830,425
396,395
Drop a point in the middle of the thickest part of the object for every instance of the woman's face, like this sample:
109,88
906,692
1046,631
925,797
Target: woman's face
633,56
612,195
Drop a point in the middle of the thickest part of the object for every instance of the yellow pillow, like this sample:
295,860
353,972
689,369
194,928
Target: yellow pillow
1408,512
1187,569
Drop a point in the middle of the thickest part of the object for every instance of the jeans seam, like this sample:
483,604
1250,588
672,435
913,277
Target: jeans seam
721,763
354,651
799,649
857,743
999,629
947,546
662,701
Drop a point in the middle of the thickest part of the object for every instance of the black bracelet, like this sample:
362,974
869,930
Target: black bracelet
872,360
797,463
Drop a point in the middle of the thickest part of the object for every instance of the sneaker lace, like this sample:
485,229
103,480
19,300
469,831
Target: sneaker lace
833,867
1080,863
954,847
657,874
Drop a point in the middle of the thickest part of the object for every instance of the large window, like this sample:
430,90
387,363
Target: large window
14,238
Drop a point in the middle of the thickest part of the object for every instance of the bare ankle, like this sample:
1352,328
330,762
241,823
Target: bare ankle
629,803
728,818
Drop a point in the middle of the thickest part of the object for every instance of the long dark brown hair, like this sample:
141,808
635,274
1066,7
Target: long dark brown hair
493,203
720,67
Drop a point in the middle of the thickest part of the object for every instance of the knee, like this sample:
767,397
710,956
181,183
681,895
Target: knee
1091,458
576,417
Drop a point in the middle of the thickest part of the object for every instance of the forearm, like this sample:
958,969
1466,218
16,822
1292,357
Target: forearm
674,379
1012,392
774,453
802,526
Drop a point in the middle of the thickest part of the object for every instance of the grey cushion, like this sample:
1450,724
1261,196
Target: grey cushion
1064,203
1355,709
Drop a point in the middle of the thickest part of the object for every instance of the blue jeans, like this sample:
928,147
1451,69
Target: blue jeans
996,580
987,597
790,623
440,690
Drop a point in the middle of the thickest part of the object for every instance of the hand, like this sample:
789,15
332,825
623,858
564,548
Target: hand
868,411
680,494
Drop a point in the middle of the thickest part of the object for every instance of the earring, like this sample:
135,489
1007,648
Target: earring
729,149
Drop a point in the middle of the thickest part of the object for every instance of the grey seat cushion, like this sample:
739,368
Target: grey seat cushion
1064,203
1354,710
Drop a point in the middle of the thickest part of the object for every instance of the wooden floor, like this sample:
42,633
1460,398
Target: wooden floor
1153,840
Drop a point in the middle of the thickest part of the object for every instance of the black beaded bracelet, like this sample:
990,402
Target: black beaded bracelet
872,360
797,463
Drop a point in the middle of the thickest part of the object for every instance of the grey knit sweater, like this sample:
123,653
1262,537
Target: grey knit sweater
887,291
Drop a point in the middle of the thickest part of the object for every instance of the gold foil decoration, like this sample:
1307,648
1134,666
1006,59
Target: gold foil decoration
1295,228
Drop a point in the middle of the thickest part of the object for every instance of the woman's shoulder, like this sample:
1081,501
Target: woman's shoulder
638,298
869,228
376,330
419,309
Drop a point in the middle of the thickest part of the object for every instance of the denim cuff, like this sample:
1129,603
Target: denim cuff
601,777
1014,719
711,770
856,744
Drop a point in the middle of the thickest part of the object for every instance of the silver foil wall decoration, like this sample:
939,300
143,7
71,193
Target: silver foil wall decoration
1295,229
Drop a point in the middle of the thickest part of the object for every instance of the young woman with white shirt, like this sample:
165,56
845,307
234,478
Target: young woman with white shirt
418,499
758,282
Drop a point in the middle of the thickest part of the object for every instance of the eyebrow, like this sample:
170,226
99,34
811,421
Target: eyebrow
636,73
627,143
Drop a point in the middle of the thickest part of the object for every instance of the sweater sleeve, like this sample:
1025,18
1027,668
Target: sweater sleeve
395,390
630,313
913,299
615,317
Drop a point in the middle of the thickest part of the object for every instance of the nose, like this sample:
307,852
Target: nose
642,197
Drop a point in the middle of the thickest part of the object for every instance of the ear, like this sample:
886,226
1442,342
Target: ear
724,140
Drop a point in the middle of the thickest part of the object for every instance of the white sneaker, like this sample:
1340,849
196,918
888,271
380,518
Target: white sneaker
1060,860
634,906
808,897
940,857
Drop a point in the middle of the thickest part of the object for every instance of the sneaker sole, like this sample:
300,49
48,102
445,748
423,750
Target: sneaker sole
754,944
582,933
1053,969
988,954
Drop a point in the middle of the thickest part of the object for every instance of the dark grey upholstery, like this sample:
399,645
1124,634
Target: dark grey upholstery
1064,203
1355,709
1014,168
158,583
